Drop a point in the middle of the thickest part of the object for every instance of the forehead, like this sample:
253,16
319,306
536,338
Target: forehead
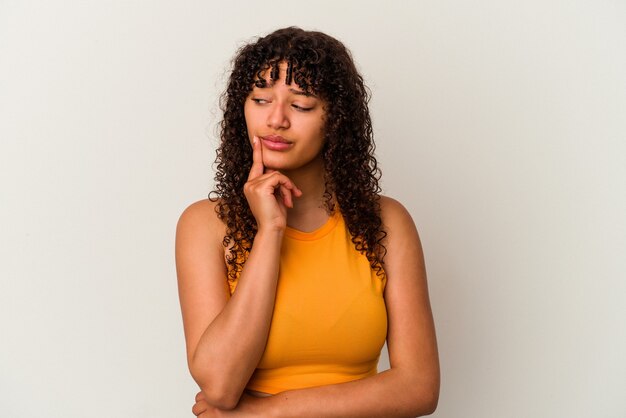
274,73
280,84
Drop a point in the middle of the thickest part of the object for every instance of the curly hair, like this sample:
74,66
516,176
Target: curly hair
322,65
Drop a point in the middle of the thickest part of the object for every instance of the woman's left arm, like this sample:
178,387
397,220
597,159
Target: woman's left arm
411,386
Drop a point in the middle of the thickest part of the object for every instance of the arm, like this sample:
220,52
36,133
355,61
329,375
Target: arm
225,336
411,387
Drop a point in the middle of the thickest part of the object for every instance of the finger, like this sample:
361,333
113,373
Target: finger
257,159
278,179
199,396
271,182
199,407
286,195
293,189
284,180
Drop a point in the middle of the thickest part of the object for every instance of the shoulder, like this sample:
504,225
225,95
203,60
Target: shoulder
199,221
411,336
394,215
201,207
401,232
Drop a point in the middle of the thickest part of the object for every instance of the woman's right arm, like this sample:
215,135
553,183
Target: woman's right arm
226,336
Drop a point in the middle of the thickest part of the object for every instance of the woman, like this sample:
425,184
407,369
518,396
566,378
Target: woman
295,273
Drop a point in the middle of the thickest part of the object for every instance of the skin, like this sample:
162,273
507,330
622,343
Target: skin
285,110
226,336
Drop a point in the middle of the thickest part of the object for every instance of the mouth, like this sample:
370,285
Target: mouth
276,143
276,139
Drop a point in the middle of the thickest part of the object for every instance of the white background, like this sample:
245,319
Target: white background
500,125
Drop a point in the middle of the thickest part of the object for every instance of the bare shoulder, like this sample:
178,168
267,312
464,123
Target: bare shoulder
402,240
200,268
411,336
201,213
395,216
200,218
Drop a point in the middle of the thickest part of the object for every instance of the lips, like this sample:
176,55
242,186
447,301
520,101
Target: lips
275,138
276,143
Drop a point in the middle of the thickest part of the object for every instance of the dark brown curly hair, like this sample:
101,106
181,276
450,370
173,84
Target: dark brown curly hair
322,65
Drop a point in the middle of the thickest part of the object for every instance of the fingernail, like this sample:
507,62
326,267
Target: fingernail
255,139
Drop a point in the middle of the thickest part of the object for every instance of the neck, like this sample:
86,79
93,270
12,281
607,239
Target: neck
309,211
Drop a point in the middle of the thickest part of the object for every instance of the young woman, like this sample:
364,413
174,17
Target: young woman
295,273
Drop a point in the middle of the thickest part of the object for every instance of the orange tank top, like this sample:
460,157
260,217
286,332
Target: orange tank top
329,322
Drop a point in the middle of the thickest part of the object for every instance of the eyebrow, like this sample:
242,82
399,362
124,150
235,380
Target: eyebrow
291,90
302,93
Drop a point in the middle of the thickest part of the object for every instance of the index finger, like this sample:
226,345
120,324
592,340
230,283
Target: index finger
257,159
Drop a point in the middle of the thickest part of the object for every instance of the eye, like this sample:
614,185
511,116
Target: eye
301,108
259,101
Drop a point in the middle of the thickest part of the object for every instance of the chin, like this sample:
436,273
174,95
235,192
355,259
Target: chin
279,167
277,164
284,162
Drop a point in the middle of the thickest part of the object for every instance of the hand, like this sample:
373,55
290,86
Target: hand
270,193
248,407
201,406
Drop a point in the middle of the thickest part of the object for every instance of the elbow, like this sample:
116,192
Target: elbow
217,392
423,399
428,402
422,406
221,400
220,397
430,405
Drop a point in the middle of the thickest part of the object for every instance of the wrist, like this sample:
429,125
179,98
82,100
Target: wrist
268,239
271,232
258,407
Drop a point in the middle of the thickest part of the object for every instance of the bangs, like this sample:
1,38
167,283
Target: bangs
302,72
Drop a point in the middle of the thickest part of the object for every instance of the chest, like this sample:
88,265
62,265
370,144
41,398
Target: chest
329,307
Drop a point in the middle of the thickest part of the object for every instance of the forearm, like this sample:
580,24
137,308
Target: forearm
392,393
232,345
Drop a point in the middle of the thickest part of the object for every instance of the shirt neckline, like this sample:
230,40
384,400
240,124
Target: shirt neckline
317,233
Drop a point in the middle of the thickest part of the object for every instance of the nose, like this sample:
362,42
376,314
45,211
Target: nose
278,118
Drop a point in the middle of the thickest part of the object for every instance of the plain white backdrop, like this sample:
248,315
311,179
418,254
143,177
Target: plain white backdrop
500,125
